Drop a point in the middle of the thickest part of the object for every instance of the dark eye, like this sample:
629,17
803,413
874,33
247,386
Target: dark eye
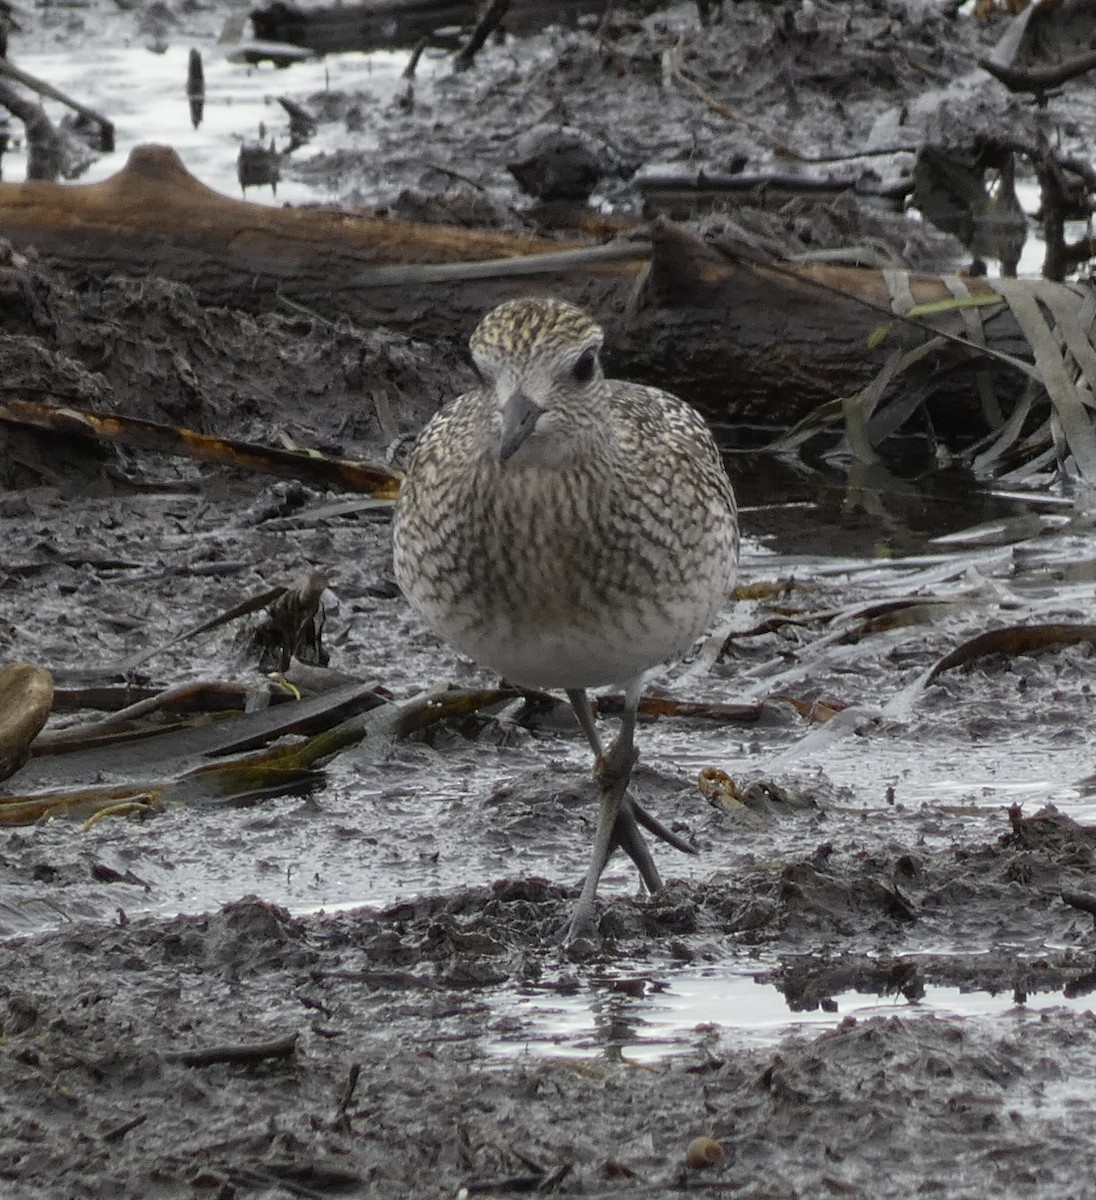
584,368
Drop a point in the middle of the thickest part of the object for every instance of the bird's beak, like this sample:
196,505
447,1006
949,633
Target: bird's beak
519,419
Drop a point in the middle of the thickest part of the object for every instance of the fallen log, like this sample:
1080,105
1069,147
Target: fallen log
749,341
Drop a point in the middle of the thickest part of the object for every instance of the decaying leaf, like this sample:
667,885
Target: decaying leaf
933,309
188,777
1013,640
374,479
1052,424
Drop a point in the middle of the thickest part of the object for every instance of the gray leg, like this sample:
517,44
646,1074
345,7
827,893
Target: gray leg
626,833
580,702
614,772
620,760
614,775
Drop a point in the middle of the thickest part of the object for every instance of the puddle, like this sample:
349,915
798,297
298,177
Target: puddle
644,1020
144,93
875,516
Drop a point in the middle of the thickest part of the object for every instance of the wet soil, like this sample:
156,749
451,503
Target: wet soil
357,989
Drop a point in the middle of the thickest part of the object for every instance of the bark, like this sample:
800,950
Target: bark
748,341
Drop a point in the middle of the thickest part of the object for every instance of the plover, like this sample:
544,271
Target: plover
568,531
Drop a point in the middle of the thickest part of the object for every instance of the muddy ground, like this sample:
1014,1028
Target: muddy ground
196,1003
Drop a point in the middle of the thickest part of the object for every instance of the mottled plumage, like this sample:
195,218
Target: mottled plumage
560,528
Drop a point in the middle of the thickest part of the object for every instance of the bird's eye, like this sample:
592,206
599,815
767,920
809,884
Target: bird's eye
584,367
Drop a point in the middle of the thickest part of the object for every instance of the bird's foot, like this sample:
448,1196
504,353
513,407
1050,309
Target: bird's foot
581,936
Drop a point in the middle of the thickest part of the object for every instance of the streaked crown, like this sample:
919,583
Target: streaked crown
527,328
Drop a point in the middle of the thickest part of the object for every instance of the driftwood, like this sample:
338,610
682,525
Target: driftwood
1039,80
749,341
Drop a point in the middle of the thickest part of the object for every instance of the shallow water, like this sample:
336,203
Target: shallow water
644,1019
144,93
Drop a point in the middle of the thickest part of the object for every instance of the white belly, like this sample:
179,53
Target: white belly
539,652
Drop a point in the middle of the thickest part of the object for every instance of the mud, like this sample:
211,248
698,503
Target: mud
387,1089
357,989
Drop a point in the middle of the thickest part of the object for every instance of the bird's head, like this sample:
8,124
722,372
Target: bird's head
538,358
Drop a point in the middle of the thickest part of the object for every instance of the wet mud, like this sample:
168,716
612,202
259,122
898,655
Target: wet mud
357,988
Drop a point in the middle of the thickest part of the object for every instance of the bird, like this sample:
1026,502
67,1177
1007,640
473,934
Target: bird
568,531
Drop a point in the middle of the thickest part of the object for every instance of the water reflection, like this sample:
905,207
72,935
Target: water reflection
867,510
643,1019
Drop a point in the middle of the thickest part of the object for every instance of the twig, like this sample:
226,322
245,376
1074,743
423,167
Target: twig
673,70
44,147
240,1054
195,87
485,26
409,274
433,166
120,1131
416,54
606,17
348,1090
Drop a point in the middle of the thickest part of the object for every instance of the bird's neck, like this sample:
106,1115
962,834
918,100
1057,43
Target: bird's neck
583,452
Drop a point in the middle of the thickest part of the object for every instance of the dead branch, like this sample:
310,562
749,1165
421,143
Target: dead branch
401,24
106,126
490,20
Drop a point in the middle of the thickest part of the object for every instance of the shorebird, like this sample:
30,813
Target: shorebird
568,531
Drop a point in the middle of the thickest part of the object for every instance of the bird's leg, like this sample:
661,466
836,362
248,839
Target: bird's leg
620,814
580,702
585,714
616,824
616,766
626,832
